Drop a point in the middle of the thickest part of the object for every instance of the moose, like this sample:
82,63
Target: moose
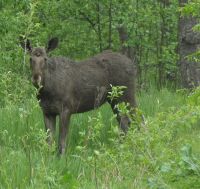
66,87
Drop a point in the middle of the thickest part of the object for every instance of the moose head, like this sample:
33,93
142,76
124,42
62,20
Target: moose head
38,58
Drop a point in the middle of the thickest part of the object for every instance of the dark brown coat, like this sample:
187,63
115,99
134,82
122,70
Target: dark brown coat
70,87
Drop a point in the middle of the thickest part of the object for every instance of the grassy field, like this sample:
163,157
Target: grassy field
165,154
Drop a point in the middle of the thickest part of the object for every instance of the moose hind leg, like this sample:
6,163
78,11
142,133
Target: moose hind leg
123,120
124,123
128,97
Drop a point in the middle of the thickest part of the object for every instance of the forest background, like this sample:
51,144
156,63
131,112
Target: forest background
161,37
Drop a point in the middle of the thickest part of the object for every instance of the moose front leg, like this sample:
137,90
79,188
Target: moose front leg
63,130
50,125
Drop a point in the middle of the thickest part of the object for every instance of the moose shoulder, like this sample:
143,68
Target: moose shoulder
69,87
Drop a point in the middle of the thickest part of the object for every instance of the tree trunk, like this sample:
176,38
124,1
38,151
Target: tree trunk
189,42
127,49
99,25
110,25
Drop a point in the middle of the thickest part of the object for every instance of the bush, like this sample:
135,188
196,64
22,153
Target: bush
14,88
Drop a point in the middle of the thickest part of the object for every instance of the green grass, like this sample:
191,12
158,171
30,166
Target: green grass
164,155
154,101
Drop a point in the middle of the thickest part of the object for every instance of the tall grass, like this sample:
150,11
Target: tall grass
161,156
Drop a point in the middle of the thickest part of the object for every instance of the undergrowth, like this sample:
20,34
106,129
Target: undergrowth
162,154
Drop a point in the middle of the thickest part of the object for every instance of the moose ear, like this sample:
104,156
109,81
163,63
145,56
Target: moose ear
52,44
25,44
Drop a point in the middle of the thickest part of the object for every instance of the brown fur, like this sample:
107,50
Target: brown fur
70,87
